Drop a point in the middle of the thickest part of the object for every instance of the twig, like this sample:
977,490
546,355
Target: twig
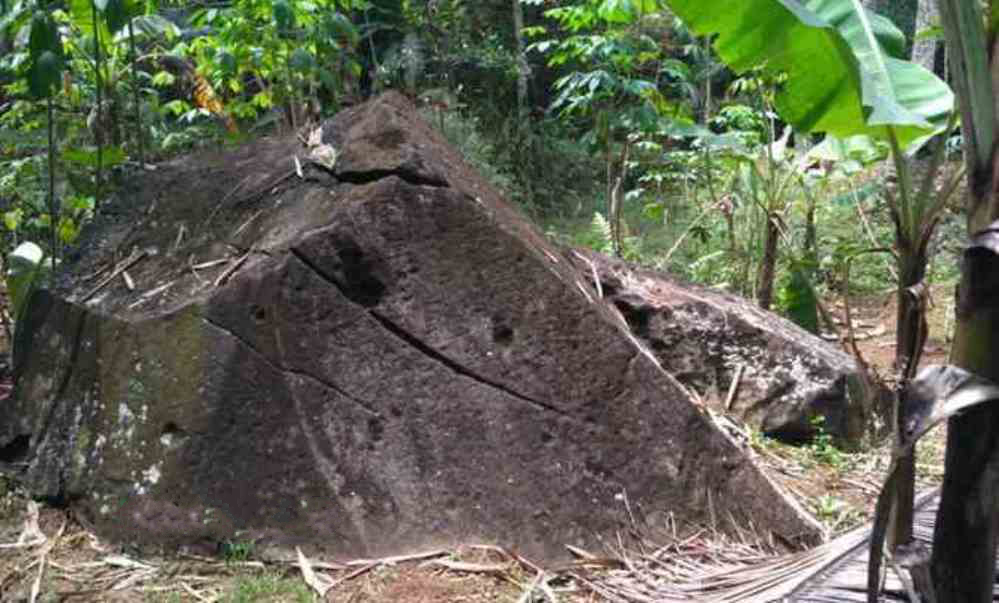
248,222
398,558
233,267
117,271
354,574
858,203
200,597
528,593
462,566
180,236
596,277
149,294
42,559
260,190
686,232
734,386
210,264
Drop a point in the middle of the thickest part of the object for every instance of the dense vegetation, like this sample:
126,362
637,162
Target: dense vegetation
616,127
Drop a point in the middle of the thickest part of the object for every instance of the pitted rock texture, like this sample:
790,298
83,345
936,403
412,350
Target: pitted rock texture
362,360
788,381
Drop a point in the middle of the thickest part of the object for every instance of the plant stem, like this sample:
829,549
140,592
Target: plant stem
99,130
53,208
135,95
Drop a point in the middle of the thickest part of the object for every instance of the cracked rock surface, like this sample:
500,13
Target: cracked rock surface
362,359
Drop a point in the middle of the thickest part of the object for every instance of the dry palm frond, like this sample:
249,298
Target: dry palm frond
713,568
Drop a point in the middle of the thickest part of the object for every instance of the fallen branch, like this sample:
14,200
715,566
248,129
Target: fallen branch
114,274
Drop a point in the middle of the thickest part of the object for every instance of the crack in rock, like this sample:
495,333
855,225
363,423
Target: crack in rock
428,351
365,405
371,176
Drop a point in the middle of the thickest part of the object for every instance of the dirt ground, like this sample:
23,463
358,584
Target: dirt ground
45,555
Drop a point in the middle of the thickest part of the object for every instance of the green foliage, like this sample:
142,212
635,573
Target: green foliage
599,238
822,447
843,70
268,587
615,59
237,550
275,54
46,58
797,300
835,513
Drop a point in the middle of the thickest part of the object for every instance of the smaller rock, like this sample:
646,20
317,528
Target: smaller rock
789,381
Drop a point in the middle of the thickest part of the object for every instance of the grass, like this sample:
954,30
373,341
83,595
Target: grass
237,550
268,587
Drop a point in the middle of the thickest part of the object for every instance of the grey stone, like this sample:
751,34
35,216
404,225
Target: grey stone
389,358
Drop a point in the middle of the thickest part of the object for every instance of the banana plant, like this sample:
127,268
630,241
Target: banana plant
844,73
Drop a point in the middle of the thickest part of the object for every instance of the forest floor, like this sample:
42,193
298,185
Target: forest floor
43,549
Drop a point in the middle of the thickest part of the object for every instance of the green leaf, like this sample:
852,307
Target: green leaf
338,26
44,36
626,11
110,156
841,68
44,74
163,79
857,148
117,13
227,63
155,26
799,301
12,219
81,13
68,230
301,60
284,16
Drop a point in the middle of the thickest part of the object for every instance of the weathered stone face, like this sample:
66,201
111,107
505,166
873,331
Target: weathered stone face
389,358
788,379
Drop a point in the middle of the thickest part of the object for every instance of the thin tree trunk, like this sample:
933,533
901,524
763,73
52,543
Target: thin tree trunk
768,267
139,133
924,50
522,67
99,131
910,337
53,206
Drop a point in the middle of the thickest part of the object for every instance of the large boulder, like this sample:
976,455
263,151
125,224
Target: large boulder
364,353
739,359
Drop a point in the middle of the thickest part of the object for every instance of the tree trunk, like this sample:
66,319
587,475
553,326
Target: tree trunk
768,267
910,337
522,68
924,51
964,539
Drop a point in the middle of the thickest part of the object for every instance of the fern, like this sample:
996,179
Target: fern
600,234
598,237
